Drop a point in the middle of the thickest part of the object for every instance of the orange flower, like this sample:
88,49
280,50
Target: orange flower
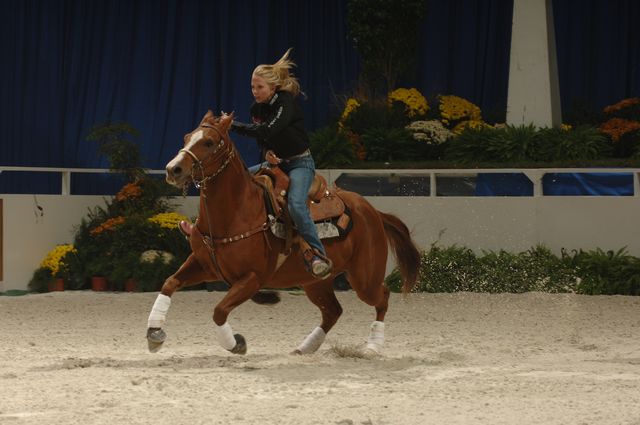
129,191
624,103
618,127
109,224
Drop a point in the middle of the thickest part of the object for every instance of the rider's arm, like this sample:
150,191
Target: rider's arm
274,124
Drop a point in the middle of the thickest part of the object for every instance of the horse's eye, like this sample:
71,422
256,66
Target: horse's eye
208,143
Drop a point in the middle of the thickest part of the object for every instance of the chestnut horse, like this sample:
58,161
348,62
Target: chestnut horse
239,247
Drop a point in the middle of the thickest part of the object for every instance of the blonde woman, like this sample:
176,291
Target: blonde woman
278,127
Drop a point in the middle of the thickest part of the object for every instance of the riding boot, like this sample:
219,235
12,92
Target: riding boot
317,264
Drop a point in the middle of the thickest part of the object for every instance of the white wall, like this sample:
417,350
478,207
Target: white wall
514,224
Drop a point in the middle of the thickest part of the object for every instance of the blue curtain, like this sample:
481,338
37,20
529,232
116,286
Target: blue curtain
160,64
598,50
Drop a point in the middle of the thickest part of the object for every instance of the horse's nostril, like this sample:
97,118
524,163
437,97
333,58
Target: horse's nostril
177,171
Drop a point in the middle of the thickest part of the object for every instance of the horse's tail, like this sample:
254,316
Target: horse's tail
404,249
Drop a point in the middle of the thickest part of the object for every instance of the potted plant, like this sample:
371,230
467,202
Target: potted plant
53,270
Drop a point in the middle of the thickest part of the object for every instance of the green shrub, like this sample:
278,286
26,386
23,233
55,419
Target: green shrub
522,143
455,269
475,144
390,144
330,148
606,273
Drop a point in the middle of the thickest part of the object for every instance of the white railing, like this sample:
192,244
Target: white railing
65,173
533,174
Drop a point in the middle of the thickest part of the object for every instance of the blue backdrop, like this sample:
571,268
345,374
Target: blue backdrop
160,64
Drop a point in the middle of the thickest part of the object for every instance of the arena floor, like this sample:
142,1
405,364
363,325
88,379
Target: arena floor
81,358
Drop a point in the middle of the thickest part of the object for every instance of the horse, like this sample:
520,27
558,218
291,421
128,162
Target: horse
232,241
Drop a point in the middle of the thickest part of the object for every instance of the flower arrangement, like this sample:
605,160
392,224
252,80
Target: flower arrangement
111,240
55,265
431,132
54,260
454,108
622,105
167,220
415,103
618,127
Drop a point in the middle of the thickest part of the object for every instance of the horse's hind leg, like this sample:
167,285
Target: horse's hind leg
370,289
322,295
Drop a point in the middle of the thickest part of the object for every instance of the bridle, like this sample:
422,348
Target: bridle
198,164
202,186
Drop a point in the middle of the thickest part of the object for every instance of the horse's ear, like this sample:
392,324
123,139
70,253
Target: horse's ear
226,120
208,116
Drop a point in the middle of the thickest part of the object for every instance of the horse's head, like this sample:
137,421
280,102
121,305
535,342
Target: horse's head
207,150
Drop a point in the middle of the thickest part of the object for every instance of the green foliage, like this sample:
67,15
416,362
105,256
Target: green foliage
40,280
628,145
583,142
114,142
377,114
522,143
151,275
606,273
385,34
475,144
330,148
388,144
454,269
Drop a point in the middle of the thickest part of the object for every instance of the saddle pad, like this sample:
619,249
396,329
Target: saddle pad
325,230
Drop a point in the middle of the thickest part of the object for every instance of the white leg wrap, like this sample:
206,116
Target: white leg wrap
159,311
376,337
225,337
313,341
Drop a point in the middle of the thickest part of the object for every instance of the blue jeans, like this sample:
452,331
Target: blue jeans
301,172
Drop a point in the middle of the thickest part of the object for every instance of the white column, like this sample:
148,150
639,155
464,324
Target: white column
534,93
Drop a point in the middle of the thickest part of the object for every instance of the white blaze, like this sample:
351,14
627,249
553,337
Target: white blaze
195,138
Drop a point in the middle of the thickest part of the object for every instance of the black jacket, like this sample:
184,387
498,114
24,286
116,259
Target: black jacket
277,125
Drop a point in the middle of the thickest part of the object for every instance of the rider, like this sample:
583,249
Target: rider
278,127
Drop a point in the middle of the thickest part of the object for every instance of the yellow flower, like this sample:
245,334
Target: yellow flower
463,125
415,103
53,260
351,105
565,127
168,220
454,108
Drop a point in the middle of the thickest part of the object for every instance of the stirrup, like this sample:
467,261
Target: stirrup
317,264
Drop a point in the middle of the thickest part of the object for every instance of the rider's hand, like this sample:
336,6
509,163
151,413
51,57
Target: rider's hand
272,158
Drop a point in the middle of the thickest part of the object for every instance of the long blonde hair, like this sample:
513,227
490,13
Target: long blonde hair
279,74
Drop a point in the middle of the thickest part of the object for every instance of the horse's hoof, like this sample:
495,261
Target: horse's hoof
241,345
371,351
296,352
155,339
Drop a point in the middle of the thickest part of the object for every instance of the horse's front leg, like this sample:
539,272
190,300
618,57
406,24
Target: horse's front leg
190,273
239,292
